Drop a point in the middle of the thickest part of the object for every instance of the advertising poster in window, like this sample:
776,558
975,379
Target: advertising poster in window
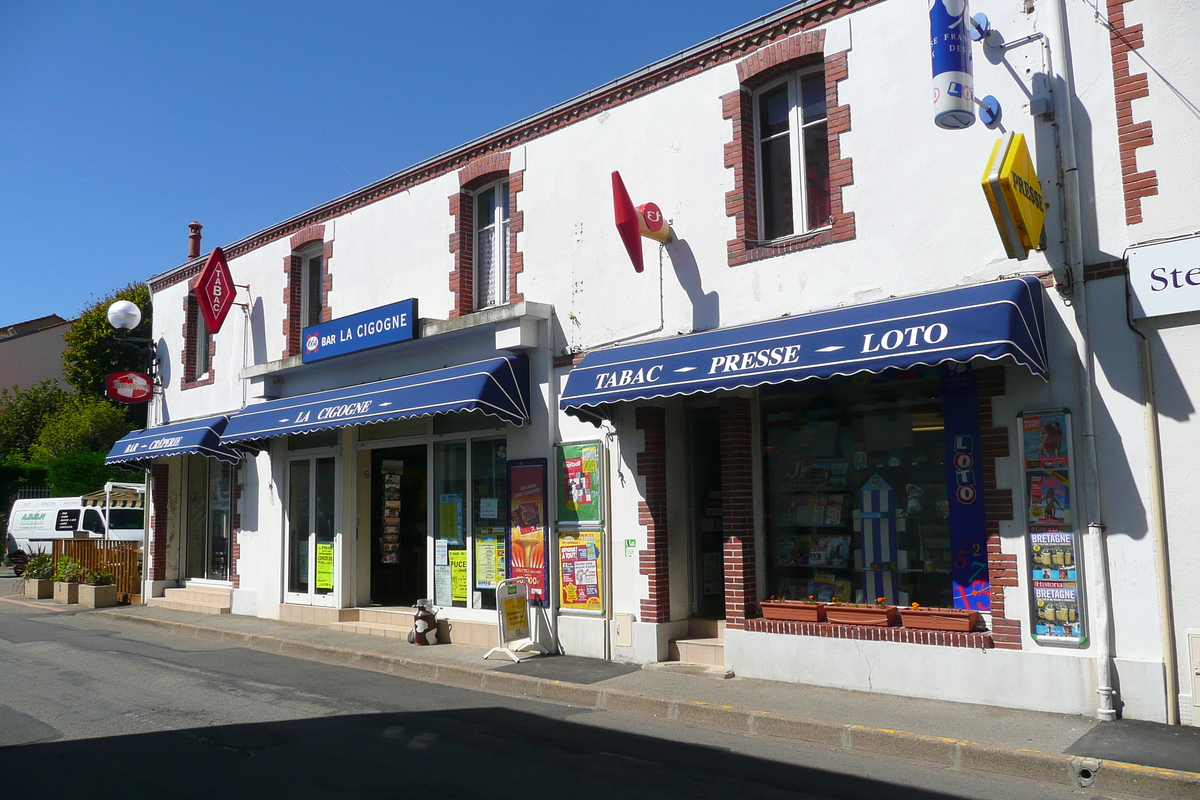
450,516
324,566
964,502
1055,578
391,474
489,557
579,486
580,570
458,576
527,527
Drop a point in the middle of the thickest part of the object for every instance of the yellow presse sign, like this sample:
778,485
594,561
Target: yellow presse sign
1015,195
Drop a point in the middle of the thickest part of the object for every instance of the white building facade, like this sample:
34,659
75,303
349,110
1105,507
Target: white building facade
831,383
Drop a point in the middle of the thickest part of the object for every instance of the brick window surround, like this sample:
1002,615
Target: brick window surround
191,330
998,507
160,486
737,510
476,175
1130,135
784,55
652,513
293,291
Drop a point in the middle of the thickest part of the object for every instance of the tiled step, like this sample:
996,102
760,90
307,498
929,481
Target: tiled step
373,629
708,652
186,605
199,600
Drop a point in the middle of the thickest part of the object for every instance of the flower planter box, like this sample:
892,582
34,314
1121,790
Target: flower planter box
940,619
97,596
862,615
66,592
796,612
39,588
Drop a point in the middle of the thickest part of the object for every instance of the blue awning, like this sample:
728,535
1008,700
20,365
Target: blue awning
1001,320
201,436
497,386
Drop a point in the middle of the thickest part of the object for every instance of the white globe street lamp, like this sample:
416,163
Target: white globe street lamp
124,315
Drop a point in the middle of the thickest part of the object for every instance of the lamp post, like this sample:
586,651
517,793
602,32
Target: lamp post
125,316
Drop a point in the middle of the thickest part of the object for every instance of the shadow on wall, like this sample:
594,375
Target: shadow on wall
250,488
706,306
1129,517
258,332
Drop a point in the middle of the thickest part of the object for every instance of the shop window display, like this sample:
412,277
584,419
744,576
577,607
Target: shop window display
858,492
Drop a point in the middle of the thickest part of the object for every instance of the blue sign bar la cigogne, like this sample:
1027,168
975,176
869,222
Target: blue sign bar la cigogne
362,331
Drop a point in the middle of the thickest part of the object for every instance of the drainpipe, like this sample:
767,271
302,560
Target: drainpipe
1073,236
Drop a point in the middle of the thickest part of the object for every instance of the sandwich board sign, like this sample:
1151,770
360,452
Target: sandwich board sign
512,619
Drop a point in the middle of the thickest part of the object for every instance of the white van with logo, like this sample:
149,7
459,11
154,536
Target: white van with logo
117,512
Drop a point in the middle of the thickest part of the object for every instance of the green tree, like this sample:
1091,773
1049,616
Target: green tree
23,414
79,473
93,348
82,424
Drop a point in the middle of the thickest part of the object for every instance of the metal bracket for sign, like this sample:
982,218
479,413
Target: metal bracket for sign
513,627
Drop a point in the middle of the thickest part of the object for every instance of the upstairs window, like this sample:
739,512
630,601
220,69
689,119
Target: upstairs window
491,245
311,280
792,138
201,347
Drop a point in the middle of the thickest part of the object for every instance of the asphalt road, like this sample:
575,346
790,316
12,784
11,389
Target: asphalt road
144,714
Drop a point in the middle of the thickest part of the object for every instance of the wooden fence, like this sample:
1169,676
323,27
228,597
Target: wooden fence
122,559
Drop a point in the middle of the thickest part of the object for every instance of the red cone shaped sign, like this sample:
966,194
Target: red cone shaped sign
629,224
214,290
128,387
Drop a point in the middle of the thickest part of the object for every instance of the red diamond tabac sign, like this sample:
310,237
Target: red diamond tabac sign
214,290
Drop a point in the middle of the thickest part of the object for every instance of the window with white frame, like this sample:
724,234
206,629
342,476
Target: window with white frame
792,148
491,245
311,280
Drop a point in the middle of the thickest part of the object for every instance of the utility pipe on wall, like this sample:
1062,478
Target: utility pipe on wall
1073,235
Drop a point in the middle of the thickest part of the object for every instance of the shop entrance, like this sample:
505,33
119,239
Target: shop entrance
312,527
399,515
707,563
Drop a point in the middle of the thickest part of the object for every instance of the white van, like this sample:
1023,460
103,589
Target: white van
116,512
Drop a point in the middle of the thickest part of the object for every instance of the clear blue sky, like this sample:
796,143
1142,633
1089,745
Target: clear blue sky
121,122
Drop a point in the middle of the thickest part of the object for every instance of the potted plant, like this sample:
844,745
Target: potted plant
939,619
98,590
879,614
794,610
67,573
39,583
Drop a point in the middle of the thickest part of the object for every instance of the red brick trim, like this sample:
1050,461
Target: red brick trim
191,325
737,511
741,203
981,640
616,94
293,290
156,560
652,513
998,507
484,170
476,175
570,360
1107,269
1130,135
310,235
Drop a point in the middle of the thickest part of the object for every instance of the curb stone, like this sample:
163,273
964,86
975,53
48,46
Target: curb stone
1066,770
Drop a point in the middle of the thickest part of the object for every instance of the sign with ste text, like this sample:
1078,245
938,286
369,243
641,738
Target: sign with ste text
214,290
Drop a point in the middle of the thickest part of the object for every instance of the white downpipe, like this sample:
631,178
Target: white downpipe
1159,509
1101,602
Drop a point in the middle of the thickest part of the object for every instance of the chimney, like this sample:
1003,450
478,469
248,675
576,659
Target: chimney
194,240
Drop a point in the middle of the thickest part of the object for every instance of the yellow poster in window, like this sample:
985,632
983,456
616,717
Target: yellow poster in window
324,566
458,576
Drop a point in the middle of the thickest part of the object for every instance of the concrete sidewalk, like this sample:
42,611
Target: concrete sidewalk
1130,757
